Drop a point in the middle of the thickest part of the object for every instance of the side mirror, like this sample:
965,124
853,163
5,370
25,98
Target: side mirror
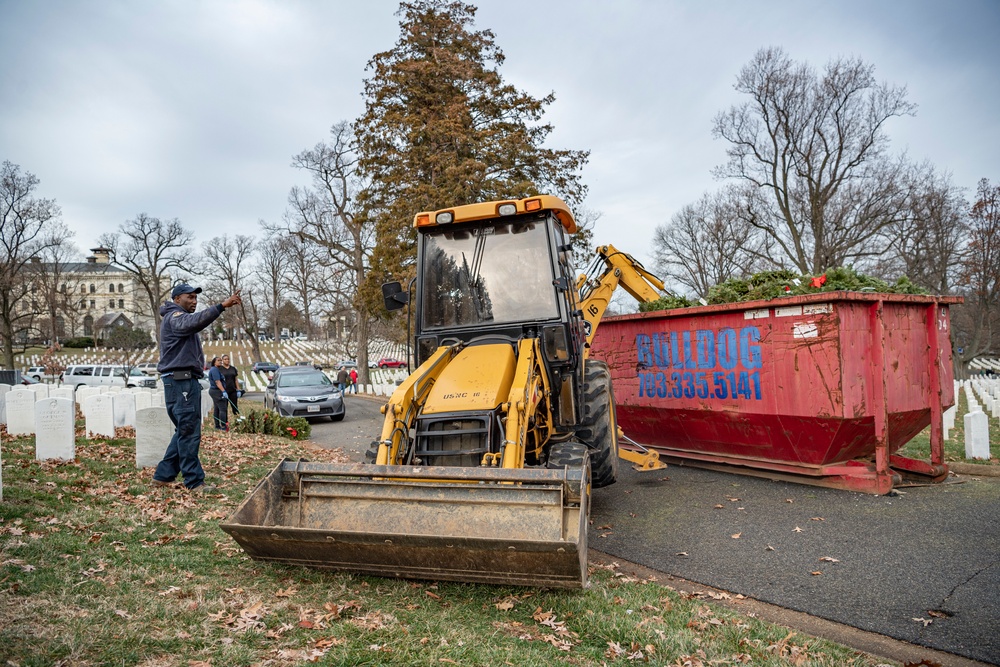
394,296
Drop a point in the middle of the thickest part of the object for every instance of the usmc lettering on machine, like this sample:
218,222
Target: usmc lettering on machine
703,363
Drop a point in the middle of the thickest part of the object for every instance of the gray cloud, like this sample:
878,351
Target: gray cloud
194,109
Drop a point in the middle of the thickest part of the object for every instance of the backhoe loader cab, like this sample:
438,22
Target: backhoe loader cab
498,274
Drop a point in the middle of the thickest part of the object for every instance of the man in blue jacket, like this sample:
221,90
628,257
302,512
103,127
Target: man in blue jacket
180,367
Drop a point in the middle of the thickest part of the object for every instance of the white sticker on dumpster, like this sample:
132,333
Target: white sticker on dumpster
805,330
758,314
788,311
817,308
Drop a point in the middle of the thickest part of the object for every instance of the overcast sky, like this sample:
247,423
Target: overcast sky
193,109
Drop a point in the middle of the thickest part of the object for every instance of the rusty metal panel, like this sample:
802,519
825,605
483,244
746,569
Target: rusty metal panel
807,382
522,527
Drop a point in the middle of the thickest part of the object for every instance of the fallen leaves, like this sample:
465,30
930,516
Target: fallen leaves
633,653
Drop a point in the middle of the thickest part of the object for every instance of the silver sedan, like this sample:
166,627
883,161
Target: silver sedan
304,392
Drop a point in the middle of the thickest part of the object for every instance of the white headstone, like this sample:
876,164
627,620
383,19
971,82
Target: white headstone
82,394
100,414
20,411
62,392
206,403
124,409
153,430
157,399
977,435
55,436
4,388
949,417
143,400
41,390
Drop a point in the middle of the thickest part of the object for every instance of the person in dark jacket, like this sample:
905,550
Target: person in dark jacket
180,367
217,392
231,381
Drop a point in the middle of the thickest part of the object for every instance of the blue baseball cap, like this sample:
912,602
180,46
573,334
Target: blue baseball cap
184,288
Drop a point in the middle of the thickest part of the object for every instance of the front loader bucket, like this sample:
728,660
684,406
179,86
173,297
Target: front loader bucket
524,527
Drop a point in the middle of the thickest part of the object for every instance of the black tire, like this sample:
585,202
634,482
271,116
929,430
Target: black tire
567,455
337,418
573,455
598,427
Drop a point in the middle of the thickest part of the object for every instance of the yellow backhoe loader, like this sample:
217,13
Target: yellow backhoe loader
489,448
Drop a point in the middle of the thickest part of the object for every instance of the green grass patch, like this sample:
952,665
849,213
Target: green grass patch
97,567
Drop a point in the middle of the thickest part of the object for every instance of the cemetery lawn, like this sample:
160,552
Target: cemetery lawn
954,446
97,567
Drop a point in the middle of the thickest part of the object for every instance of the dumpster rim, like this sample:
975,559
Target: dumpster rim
819,297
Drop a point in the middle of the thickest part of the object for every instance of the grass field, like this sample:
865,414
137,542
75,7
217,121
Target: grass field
97,567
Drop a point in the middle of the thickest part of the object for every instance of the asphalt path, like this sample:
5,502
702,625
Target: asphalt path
922,567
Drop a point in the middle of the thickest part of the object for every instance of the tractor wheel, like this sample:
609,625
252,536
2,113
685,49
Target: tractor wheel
573,455
567,455
598,427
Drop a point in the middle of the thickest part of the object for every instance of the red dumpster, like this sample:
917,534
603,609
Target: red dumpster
822,388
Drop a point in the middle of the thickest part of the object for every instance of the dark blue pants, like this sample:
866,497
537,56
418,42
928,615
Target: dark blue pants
183,401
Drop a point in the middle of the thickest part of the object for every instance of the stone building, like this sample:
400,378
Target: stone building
90,294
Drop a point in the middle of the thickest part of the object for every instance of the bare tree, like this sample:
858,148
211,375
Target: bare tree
709,242
228,261
304,279
25,225
151,249
928,242
815,148
272,254
979,278
325,215
56,297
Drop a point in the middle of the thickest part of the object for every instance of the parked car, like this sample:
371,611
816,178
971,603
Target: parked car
299,391
346,363
38,373
264,367
148,367
318,367
389,362
93,375
27,379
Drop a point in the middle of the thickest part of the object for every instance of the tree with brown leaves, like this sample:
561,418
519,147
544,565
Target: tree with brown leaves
441,128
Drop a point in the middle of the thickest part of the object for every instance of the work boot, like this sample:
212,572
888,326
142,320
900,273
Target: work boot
203,488
159,482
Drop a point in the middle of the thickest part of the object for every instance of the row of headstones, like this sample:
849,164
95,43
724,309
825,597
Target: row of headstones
55,430
976,421
102,411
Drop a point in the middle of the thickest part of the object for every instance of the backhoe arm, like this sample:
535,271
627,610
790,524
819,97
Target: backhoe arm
619,269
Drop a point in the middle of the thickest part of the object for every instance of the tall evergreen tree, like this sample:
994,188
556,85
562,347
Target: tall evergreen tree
441,128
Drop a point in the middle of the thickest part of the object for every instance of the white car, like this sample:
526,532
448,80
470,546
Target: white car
38,373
